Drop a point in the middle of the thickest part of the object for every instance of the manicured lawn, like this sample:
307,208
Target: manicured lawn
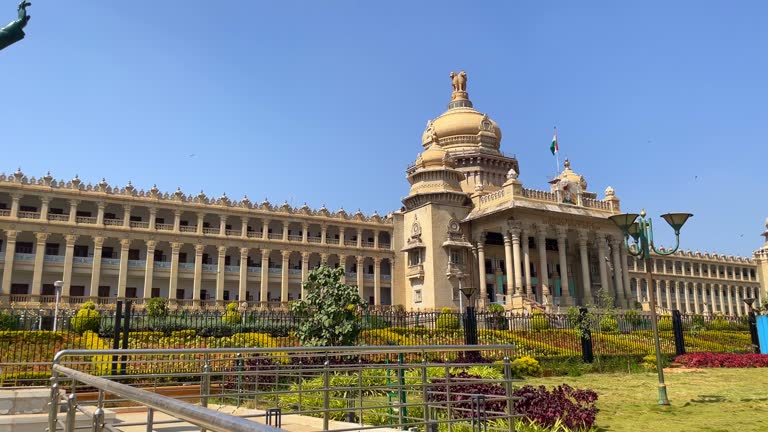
701,400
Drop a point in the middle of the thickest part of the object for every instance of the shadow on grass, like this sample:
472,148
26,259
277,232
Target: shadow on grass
708,399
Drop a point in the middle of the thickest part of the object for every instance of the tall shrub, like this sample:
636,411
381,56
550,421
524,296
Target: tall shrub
87,319
157,307
329,313
447,320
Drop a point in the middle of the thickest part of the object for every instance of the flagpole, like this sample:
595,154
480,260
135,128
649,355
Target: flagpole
557,155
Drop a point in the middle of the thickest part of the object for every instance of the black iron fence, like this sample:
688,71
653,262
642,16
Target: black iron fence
27,344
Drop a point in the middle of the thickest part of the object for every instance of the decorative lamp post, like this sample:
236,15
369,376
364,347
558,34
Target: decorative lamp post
640,229
470,326
753,324
57,286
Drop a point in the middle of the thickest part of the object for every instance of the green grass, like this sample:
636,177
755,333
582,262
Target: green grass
711,400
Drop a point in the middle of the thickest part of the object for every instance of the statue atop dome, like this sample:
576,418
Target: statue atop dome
459,81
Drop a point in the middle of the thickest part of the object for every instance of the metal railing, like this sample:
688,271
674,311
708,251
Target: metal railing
197,415
340,389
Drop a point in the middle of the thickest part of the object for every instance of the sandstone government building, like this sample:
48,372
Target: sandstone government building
467,221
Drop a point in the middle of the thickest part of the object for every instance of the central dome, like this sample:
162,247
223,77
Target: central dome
462,127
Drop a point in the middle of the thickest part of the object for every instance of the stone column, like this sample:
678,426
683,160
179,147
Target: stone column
284,273
220,272
304,232
621,299
15,198
625,274
69,255
565,291
376,239
197,285
602,255
721,299
696,301
149,271
323,233
343,265
200,220
668,294
324,259
122,278
515,233
264,275
676,289
152,218
243,288
244,228
657,288
99,215
44,201
98,244
37,275
285,230
526,263
304,273
176,220
481,267
360,280
585,277
686,297
377,281
341,236
509,264
174,282
737,300
126,215
73,211
359,237
222,226
10,251
541,242
265,229
730,300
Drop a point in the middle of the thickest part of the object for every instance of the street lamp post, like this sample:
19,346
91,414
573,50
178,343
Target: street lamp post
641,231
470,326
57,286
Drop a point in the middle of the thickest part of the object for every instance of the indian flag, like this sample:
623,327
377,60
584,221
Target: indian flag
554,148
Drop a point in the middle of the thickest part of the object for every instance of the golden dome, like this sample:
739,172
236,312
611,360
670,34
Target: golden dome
569,175
434,156
462,127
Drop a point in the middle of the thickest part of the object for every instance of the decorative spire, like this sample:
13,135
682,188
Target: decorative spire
459,96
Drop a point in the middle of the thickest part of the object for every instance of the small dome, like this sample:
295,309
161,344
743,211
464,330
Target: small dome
569,175
609,192
434,156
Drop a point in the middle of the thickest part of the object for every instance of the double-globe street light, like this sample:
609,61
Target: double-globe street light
640,229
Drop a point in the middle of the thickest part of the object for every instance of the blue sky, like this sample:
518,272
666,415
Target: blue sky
325,102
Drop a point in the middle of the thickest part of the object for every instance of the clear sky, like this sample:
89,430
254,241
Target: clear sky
326,101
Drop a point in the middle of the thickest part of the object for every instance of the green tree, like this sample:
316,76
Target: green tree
157,307
330,312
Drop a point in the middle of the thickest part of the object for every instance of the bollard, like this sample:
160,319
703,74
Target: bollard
150,419
69,425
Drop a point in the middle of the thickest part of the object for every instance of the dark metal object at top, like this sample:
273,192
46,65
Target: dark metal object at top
14,31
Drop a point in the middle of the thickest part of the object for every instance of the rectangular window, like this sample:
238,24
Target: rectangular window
56,211
104,291
48,290
159,220
226,295
155,292
135,218
206,258
130,292
417,296
183,223
182,257
488,266
134,254
455,257
110,216
81,250
77,291
24,247
203,294
159,257
51,248
83,213
227,260
551,245
3,206
28,208
19,289
179,294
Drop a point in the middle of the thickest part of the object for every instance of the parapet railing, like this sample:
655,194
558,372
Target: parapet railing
340,389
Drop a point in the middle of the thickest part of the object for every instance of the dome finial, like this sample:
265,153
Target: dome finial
459,96
567,164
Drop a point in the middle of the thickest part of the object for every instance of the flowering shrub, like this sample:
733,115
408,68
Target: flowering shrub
232,315
447,320
539,321
710,360
87,319
526,366
574,408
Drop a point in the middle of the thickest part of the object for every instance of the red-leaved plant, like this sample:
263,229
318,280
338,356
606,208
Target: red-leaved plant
716,360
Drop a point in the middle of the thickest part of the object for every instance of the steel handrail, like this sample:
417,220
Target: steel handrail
204,417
